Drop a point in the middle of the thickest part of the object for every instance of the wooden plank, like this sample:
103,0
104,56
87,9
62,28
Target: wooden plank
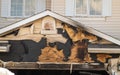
37,26
22,65
55,66
52,66
35,37
88,67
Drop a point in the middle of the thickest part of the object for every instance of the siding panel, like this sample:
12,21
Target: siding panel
58,6
110,25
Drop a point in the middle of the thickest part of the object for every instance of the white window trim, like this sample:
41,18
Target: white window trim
88,9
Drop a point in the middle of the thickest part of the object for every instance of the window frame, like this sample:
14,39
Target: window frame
88,10
23,11
40,5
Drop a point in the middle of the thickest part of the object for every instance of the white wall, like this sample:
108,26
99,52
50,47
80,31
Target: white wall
109,25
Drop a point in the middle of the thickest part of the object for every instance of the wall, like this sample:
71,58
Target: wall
6,21
58,6
48,4
109,25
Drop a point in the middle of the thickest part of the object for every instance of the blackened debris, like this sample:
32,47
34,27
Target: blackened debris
63,32
34,49
16,52
66,47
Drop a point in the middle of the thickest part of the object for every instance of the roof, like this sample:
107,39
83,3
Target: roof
11,27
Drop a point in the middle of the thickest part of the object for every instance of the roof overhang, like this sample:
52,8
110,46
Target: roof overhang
11,27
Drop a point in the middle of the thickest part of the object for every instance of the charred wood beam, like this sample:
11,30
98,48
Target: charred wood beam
53,66
79,51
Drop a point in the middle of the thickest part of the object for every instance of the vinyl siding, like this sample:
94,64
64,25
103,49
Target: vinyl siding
6,21
108,25
58,6
48,4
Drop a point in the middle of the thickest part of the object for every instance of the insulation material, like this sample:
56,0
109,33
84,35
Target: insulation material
69,31
88,59
102,57
79,51
29,51
51,54
77,34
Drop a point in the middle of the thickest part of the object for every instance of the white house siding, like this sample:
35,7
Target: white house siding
48,4
58,6
6,21
109,25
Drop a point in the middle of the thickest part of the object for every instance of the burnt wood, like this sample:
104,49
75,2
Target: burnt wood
88,67
33,49
90,45
79,51
22,65
52,66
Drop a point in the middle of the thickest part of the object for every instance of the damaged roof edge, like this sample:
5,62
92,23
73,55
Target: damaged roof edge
62,18
102,35
22,22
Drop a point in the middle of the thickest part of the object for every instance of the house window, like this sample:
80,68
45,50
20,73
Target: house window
81,7
88,7
21,8
16,7
95,7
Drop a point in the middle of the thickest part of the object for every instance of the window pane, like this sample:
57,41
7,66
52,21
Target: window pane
29,7
95,7
81,6
16,7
